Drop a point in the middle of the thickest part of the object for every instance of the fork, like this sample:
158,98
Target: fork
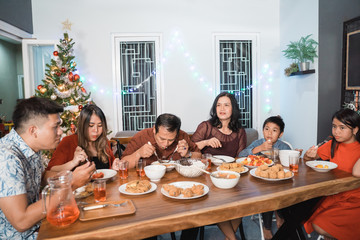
171,158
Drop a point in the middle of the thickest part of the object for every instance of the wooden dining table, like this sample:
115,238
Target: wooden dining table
157,214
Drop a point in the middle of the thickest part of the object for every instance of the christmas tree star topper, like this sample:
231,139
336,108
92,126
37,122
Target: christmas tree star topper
67,25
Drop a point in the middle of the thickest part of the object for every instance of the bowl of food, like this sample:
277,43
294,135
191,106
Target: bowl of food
169,165
321,166
225,179
190,167
285,154
155,172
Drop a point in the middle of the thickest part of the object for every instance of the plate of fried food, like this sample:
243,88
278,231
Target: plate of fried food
137,187
103,174
321,166
273,173
184,190
253,161
235,167
84,191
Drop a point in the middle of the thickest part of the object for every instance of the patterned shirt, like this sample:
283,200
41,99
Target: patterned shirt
20,173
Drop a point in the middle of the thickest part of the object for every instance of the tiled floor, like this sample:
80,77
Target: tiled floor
251,228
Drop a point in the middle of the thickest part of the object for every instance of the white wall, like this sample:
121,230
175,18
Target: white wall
299,94
94,21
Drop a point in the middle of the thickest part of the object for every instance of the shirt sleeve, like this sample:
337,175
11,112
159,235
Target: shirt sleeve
200,133
324,151
12,177
248,151
134,144
64,152
242,142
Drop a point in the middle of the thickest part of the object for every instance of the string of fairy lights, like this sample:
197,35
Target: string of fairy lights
176,43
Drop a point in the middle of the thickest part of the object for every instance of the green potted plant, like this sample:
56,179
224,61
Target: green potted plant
302,52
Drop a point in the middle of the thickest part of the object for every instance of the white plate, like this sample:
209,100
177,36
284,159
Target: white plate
240,160
252,172
169,166
122,189
218,162
312,164
108,173
245,170
185,184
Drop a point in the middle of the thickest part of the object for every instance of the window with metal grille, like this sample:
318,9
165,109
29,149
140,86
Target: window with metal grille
235,73
137,79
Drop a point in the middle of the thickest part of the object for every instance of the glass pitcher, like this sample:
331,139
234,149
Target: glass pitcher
60,208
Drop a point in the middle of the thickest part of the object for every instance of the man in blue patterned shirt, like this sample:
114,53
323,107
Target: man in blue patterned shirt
36,128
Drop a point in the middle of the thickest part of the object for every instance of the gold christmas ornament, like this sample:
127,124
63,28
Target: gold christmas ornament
79,84
74,64
72,101
61,87
43,90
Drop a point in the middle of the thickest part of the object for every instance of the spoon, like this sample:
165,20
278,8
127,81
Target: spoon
201,169
155,153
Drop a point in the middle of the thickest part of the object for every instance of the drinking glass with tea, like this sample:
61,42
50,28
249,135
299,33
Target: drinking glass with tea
99,188
140,168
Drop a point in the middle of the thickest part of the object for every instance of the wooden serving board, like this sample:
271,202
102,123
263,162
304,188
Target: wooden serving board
109,211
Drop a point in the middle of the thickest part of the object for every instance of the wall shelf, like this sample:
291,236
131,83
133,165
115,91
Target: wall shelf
303,72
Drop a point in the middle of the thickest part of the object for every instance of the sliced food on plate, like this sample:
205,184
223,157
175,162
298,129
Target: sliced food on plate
255,161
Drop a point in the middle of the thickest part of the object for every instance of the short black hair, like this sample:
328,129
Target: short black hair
30,108
171,122
277,120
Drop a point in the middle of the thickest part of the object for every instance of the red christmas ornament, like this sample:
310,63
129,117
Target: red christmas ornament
56,53
76,77
63,70
39,87
72,126
58,74
80,107
83,90
71,76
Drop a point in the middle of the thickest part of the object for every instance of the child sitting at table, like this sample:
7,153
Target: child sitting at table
336,216
273,129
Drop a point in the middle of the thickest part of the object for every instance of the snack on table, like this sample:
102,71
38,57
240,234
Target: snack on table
322,166
195,190
256,161
138,186
274,172
235,167
97,175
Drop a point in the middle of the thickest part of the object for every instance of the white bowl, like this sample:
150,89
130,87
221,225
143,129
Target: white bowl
285,154
224,183
155,172
314,165
169,165
190,171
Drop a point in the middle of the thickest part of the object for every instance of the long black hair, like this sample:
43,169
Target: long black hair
351,119
234,124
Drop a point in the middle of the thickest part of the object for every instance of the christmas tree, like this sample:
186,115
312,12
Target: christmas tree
63,85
